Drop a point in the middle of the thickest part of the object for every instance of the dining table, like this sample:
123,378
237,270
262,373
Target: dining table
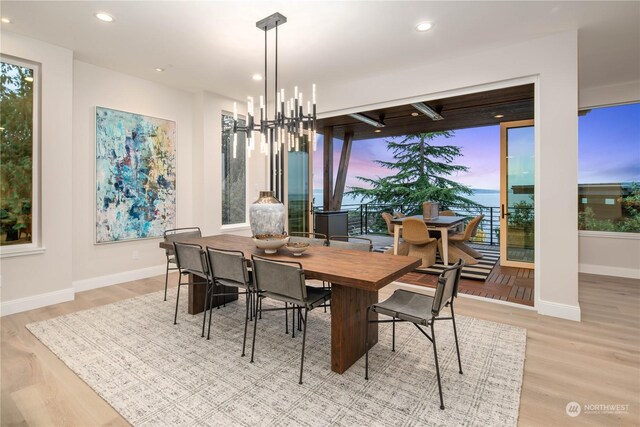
355,277
441,223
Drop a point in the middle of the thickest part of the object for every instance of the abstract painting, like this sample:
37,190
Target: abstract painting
135,175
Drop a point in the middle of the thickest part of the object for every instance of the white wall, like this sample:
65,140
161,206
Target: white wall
552,63
98,265
31,281
611,254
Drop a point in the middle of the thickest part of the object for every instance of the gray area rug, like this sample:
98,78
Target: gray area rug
155,373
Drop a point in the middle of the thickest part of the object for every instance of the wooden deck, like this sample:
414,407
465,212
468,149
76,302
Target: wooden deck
504,283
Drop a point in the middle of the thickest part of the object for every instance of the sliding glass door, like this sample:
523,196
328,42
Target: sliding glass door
517,192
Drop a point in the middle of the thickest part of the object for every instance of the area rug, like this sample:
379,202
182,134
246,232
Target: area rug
479,271
155,373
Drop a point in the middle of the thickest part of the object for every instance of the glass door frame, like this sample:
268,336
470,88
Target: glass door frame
504,214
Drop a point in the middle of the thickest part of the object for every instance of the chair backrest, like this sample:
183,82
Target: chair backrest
352,243
228,267
283,280
190,258
314,239
398,214
388,218
472,227
447,213
447,289
173,234
415,231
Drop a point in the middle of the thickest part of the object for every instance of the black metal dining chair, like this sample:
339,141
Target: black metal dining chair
351,242
191,260
171,236
228,268
421,310
284,281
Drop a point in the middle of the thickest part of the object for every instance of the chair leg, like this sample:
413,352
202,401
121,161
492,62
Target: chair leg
255,326
304,337
299,318
175,317
393,335
455,334
166,280
210,311
293,321
207,304
366,346
286,318
435,354
246,320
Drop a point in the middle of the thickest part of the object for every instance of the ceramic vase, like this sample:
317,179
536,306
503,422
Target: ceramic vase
266,215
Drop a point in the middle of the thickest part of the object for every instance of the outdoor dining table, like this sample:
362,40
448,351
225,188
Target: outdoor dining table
441,223
355,277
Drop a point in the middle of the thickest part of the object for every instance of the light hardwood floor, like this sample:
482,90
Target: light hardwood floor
593,362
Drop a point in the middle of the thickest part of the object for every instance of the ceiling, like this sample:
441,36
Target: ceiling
458,112
215,45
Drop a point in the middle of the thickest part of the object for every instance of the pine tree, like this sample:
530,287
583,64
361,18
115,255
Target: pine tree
422,171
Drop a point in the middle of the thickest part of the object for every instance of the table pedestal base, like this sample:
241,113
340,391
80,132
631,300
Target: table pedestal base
348,322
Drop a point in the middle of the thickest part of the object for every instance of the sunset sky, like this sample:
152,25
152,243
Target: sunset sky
609,151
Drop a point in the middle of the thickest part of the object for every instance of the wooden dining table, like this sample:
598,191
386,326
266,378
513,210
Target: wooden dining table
355,277
442,223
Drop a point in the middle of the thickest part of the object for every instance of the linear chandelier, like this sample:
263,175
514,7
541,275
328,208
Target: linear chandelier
289,124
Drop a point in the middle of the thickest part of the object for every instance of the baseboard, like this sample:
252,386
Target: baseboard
114,279
605,270
36,301
563,311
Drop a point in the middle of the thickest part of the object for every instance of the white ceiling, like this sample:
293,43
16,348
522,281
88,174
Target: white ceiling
215,46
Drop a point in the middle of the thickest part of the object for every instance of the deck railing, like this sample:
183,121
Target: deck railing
366,218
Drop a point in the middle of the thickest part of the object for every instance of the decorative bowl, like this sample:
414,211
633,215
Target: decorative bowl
270,242
297,248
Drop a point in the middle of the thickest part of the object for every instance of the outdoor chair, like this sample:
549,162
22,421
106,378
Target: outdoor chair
284,281
457,246
421,244
447,213
352,243
191,260
229,268
171,236
314,239
421,310
387,219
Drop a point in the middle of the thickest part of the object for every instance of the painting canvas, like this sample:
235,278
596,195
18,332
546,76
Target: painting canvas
135,175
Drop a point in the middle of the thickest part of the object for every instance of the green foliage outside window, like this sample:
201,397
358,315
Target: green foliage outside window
16,153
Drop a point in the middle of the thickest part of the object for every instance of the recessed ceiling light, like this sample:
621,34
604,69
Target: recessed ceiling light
415,114
424,26
6,20
499,116
158,69
29,78
257,77
377,131
104,17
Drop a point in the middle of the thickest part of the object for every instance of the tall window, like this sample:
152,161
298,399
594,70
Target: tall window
609,169
234,206
18,152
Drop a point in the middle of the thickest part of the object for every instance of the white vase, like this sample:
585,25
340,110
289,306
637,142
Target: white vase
266,215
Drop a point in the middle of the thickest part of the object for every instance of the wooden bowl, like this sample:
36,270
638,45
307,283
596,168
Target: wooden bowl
297,248
270,242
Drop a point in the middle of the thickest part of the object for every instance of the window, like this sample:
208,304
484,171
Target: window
609,169
19,112
234,206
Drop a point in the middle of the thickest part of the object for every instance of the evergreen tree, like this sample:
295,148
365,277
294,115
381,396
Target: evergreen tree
422,171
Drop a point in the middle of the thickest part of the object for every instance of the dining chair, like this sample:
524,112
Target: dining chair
421,310
421,244
229,268
351,242
387,219
191,260
314,239
458,242
284,281
171,236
